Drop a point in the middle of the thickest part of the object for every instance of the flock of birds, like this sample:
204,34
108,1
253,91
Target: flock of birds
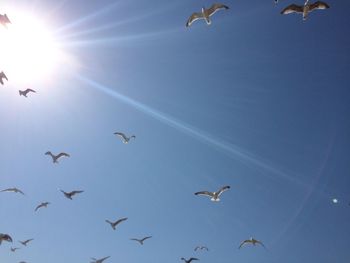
205,14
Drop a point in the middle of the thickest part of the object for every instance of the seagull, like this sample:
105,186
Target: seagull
69,195
13,249
124,137
25,92
99,260
140,240
2,74
201,248
45,204
306,9
189,261
214,195
56,157
4,20
24,243
5,237
14,189
205,14
114,224
251,241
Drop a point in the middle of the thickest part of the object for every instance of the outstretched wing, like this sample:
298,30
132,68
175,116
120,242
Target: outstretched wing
103,259
216,7
189,261
243,243
29,90
194,17
261,243
145,238
122,135
120,220
206,193
318,5
62,154
292,9
41,205
76,192
223,189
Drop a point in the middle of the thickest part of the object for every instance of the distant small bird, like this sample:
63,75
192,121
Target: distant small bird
124,137
335,201
251,241
189,260
305,9
201,248
114,224
14,189
25,243
13,249
22,262
5,237
214,195
25,92
4,20
2,76
99,260
56,157
140,240
69,195
205,14
45,204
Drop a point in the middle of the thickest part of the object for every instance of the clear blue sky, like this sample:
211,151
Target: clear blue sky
257,101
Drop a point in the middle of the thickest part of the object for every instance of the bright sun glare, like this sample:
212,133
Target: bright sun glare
28,51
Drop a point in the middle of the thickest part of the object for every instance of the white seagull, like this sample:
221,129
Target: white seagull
140,240
4,20
25,92
201,248
3,76
56,157
5,237
114,224
251,241
14,189
25,243
125,138
99,260
305,9
205,14
214,195
44,204
189,260
69,195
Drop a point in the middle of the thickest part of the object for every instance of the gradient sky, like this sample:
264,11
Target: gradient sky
257,101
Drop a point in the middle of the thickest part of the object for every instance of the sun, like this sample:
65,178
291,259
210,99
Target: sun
28,50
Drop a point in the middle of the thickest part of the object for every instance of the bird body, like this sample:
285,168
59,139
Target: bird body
201,248
305,9
251,241
189,260
114,224
56,157
141,240
125,138
214,195
205,14
4,20
5,237
99,260
2,74
14,189
25,243
25,92
69,195
44,204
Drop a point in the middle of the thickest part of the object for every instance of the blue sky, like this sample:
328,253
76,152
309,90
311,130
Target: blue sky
257,101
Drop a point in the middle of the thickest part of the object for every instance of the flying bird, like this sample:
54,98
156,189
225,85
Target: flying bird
14,189
69,195
99,260
13,249
251,241
5,237
25,92
4,20
125,138
140,240
56,157
305,9
45,204
25,243
201,248
189,260
214,195
205,14
2,77
114,224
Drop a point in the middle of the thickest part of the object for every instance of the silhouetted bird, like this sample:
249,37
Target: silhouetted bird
201,248
140,240
251,241
4,20
69,195
45,204
5,237
99,260
14,189
25,243
214,195
13,249
25,92
2,77
124,137
114,224
189,260
205,14
56,157
305,9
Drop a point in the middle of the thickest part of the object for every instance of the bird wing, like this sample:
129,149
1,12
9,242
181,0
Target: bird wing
194,17
259,242
122,135
196,248
206,193
292,9
223,189
145,238
29,90
243,243
318,5
41,205
19,191
120,220
189,261
103,259
216,7
207,249
135,239
7,190
63,154
76,192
